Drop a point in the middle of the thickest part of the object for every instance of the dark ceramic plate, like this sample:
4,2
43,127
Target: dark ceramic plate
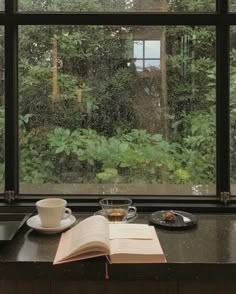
157,219
10,223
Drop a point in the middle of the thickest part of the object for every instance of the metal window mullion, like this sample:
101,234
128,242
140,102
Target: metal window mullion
11,105
116,18
222,101
222,6
144,53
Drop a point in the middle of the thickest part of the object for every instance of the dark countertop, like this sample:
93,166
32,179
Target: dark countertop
205,252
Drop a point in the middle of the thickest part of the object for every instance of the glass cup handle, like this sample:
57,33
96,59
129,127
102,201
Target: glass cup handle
132,210
67,213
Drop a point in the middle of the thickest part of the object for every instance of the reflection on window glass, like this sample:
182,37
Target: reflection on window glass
2,117
118,5
117,109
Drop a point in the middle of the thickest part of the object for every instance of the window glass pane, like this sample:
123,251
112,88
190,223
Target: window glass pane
118,5
93,120
152,49
139,65
2,116
2,5
149,64
138,49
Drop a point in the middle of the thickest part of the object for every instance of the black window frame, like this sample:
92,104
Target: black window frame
222,19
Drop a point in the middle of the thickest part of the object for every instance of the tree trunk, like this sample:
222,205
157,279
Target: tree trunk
55,87
163,102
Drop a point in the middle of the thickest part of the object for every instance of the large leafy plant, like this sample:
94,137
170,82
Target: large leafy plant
133,157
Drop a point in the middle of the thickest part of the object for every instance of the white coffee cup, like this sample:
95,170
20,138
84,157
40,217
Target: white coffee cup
52,211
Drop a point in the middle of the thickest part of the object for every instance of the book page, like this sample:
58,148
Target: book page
92,232
79,257
137,251
130,231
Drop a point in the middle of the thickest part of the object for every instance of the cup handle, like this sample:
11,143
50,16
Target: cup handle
67,213
132,211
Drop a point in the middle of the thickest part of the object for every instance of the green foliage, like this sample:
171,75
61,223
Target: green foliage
36,164
232,5
58,5
133,157
193,6
198,148
107,175
189,87
121,5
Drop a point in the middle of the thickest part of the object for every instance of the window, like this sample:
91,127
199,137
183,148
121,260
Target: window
147,54
89,120
115,102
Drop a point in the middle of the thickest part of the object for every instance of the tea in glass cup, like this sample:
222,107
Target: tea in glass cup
118,209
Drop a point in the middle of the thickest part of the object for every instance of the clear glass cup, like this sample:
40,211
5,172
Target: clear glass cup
118,209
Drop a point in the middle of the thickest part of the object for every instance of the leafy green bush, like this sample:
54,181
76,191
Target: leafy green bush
199,147
133,157
36,160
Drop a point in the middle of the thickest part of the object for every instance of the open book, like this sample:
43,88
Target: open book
120,243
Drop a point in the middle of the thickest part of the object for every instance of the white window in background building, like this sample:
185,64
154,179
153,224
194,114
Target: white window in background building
147,54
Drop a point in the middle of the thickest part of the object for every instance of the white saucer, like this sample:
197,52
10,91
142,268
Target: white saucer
127,220
35,223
